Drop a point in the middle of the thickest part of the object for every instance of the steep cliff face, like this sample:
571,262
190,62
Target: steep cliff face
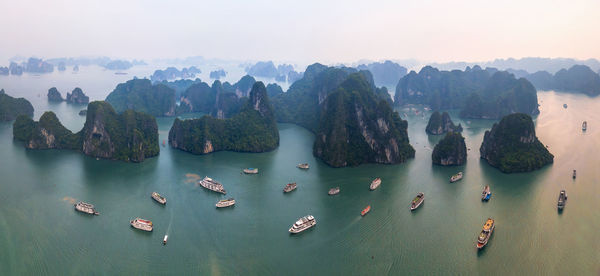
141,95
479,93
11,108
357,127
130,136
48,133
252,130
450,151
512,146
54,95
301,104
77,97
441,123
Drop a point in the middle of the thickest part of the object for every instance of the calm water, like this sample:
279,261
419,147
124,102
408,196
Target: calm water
40,233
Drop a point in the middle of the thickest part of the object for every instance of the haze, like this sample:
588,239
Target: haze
301,31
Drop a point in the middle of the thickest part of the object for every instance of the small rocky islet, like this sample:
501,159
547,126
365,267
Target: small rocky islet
441,123
75,97
450,151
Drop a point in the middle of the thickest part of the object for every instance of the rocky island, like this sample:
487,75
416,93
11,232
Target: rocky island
253,129
511,145
578,78
450,151
441,123
54,95
11,108
357,127
479,93
142,96
77,97
130,136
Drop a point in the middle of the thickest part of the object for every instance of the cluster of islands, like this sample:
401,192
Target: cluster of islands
353,119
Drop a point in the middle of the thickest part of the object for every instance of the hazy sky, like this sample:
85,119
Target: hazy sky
303,31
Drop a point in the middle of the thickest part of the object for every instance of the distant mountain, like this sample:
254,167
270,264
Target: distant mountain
578,78
478,93
529,64
180,85
253,129
172,73
267,69
222,100
217,74
118,65
385,73
141,95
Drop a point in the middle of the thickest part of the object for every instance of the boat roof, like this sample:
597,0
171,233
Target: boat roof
488,224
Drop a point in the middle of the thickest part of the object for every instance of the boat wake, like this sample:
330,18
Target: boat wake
69,199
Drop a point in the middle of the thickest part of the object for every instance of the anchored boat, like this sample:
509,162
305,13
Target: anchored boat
562,199
334,191
225,203
584,126
251,171
417,201
289,187
86,208
142,224
158,198
366,210
456,177
565,105
375,183
485,234
486,194
212,185
302,224
165,239
303,166
574,174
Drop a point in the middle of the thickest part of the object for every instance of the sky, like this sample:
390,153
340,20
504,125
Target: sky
301,31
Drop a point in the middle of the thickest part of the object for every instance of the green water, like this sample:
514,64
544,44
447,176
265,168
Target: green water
40,233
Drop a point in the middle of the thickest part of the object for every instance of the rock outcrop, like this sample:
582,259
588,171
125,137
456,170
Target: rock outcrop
130,136
77,97
511,145
54,95
142,95
11,108
357,127
450,151
479,93
253,129
441,123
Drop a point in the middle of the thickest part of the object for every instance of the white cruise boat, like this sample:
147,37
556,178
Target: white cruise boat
302,224
212,185
86,208
142,224
225,203
375,183
456,177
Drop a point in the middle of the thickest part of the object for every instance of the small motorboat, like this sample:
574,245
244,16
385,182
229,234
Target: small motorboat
165,239
366,210
486,194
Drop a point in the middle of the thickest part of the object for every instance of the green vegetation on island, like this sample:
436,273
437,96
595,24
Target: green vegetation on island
451,150
253,129
356,127
141,95
54,95
441,123
511,145
11,108
478,93
130,136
